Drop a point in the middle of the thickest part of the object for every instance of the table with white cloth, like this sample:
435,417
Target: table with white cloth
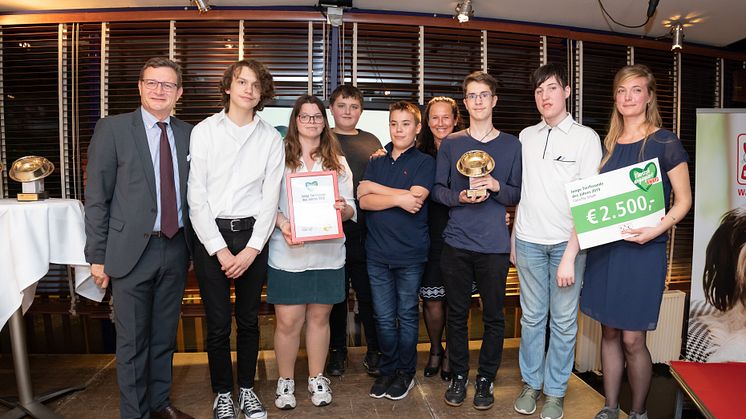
33,235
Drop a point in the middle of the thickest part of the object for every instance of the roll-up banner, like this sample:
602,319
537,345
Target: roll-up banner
717,315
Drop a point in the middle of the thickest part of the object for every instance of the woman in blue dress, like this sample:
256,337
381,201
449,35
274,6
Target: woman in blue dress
624,280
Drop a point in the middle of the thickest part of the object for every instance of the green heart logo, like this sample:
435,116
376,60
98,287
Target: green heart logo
312,185
644,178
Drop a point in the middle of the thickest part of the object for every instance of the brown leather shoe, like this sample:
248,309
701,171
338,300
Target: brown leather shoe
170,412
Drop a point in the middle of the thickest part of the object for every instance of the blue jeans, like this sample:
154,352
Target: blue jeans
395,299
541,296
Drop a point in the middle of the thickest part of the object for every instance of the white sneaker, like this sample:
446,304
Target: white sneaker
250,405
284,397
321,393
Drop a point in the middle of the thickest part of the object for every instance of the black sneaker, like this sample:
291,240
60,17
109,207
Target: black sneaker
223,407
371,363
400,386
337,362
250,405
456,392
381,385
483,398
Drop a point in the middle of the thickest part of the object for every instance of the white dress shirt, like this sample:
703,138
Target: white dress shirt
321,254
235,173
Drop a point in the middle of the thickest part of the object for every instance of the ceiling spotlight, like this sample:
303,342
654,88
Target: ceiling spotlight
677,24
202,5
464,11
677,37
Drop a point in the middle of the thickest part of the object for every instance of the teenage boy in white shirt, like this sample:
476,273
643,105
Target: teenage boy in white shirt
545,248
237,164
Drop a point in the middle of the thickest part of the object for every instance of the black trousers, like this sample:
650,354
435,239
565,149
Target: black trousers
147,304
490,271
215,289
356,272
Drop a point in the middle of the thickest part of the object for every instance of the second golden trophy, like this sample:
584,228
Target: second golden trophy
475,163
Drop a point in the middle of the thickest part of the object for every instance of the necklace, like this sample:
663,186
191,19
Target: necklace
485,135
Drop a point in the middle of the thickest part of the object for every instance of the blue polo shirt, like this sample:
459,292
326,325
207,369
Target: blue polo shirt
396,237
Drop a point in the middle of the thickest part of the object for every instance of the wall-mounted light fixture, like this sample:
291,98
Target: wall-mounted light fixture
202,5
464,11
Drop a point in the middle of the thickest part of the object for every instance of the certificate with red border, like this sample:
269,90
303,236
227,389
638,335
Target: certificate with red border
311,197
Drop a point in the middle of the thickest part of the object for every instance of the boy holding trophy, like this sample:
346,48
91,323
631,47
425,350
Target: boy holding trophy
478,174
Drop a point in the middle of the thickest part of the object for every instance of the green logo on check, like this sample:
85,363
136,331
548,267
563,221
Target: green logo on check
644,178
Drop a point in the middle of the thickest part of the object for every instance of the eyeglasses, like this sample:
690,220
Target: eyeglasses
314,119
151,84
473,96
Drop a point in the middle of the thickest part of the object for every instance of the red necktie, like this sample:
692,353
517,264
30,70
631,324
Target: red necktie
169,217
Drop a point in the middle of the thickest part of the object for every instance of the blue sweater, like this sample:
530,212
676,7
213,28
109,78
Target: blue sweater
478,227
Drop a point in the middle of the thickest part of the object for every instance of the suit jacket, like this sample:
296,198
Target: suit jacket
120,195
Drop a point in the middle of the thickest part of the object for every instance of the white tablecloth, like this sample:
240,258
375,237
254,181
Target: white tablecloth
33,235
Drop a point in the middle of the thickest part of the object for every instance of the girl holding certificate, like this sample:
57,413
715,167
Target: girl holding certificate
306,279
624,280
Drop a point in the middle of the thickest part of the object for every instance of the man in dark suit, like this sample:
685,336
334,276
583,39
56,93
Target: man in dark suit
135,220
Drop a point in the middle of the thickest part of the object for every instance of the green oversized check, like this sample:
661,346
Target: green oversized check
604,206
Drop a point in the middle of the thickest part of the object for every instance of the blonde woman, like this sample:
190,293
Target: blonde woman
624,280
306,279
441,118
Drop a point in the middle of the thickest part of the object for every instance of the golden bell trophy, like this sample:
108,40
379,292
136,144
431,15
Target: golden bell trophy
31,171
473,164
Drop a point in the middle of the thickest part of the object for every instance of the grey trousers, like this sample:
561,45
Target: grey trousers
147,305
